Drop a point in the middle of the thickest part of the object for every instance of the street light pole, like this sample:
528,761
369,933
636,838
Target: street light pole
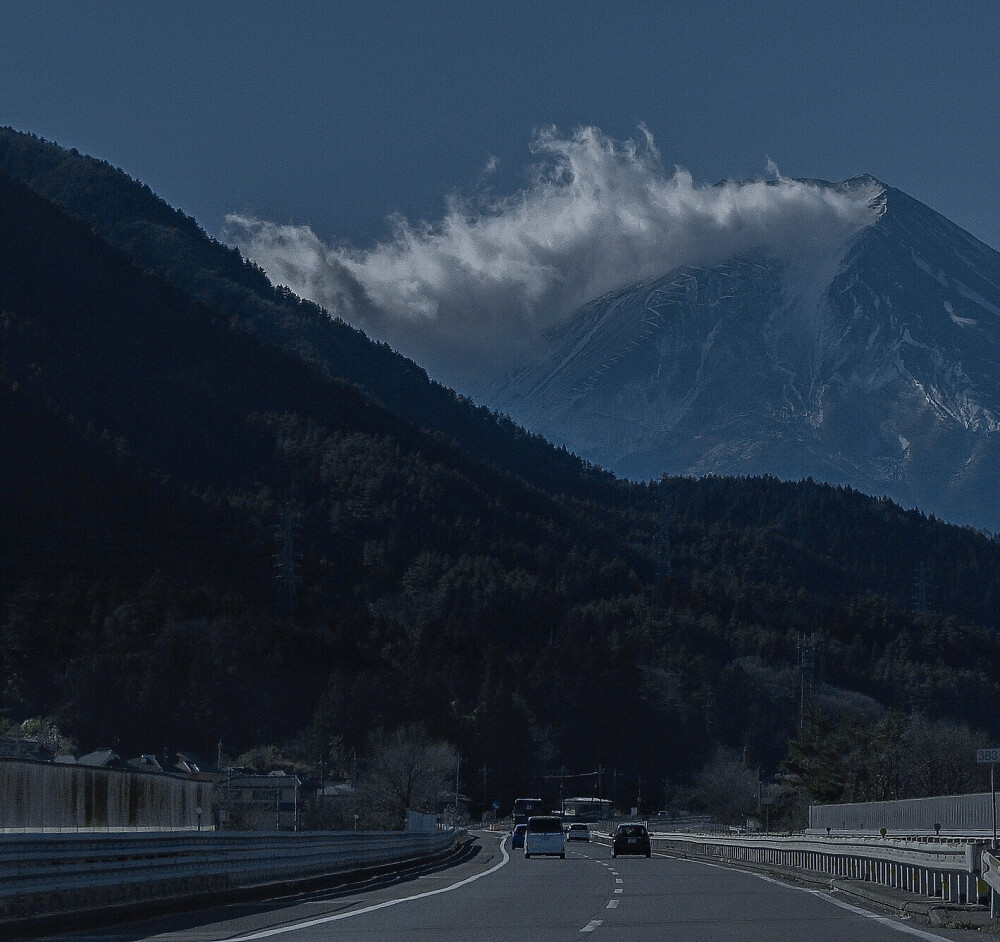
992,757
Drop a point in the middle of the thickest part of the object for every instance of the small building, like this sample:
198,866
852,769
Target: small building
25,747
250,801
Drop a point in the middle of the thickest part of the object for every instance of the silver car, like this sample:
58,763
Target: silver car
545,836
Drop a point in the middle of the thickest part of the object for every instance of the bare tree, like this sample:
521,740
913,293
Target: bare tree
942,757
726,788
404,769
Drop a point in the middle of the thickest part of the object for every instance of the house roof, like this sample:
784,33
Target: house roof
281,780
102,758
147,763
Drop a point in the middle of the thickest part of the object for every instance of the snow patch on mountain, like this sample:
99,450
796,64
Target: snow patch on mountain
961,321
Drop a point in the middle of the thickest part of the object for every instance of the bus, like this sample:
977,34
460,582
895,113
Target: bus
524,808
587,809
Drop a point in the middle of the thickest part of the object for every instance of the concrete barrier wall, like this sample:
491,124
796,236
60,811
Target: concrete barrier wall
51,796
957,814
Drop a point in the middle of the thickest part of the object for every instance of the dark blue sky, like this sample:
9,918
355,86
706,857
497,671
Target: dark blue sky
338,114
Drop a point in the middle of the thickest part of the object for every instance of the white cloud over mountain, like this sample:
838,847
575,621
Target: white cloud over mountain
468,295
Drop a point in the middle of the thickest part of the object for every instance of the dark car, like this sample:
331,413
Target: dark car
517,836
631,839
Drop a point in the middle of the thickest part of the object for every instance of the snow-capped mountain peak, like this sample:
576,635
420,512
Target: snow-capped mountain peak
872,360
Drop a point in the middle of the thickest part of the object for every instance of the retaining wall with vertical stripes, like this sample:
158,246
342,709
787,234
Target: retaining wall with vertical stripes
50,796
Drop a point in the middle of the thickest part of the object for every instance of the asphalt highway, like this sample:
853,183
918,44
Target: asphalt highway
495,895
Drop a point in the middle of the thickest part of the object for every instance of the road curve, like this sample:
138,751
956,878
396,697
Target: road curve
495,895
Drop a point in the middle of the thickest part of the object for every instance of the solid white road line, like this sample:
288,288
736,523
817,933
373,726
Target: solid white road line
267,933
885,920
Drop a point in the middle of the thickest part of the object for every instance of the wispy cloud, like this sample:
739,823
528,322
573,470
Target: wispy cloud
467,296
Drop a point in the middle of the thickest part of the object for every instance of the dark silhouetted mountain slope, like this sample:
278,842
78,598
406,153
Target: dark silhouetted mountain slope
133,219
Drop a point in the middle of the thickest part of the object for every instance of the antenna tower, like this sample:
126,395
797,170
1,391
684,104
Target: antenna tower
923,587
286,562
807,665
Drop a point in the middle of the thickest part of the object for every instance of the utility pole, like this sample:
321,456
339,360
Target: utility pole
484,770
458,768
991,757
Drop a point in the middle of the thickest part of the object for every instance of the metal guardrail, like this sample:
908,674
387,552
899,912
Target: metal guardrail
946,870
43,874
991,877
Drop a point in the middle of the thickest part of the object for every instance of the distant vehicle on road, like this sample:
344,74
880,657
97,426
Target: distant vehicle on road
524,808
587,809
517,836
631,839
544,835
578,832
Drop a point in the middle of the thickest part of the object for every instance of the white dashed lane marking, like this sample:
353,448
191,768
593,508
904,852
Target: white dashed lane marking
613,902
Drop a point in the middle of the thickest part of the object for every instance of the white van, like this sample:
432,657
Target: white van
545,836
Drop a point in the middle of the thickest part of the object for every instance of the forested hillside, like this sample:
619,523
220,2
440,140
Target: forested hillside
133,219
157,461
